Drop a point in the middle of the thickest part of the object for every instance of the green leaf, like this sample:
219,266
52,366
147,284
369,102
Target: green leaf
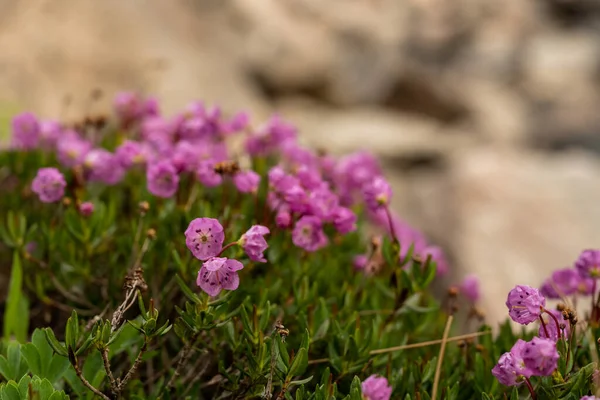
186,290
17,365
301,381
5,369
32,356
11,391
72,331
55,344
57,368
45,389
13,324
24,385
38,338
299,363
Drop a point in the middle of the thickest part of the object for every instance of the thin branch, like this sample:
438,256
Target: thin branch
184,356
111,378
87,384
134,367
438,369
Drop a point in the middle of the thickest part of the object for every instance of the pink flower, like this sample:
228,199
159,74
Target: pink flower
470,288
377,193
26,131
308,233
206,174
283,218
49,184
71,149
360,261
563,282
162,179
103,166
86,208
219,273
525,304
131,153
511,369
254,243
540,356
49,133
376,388
588,264
204,237
246,181
344,220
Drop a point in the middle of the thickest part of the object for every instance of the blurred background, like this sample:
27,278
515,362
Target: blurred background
484,114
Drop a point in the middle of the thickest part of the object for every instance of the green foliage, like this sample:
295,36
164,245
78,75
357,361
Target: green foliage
116,313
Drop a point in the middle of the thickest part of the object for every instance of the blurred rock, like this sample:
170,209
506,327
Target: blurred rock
522,215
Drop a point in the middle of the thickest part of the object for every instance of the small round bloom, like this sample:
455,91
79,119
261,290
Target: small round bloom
206,174
131,153
563,282
283,218
376,388
246,181
540,356
377,193
204,237
344,220
103,166
510,369
588,264
254,243
360,261
470,288
71,149
308,233
49,184
219,273
554,332
86,208
590,398
26,131
162,179
525,304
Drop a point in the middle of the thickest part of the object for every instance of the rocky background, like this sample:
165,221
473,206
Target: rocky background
484,113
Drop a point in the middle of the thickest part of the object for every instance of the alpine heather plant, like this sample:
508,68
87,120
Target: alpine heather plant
152,259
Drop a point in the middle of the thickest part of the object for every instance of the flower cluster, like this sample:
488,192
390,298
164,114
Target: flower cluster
204,238
312,195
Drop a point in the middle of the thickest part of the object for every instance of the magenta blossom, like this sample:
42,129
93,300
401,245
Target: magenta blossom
71,149
162,179
377,193
511,370
86,208
204,237
254,243
283,218
525,304
563,282
49,184
26,131
103,166
206,174
219,273
246,181
470,288
344,220
588,264
376,388
540,356
131,153
360,261
308,233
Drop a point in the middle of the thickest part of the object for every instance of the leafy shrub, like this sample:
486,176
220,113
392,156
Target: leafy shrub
198,256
